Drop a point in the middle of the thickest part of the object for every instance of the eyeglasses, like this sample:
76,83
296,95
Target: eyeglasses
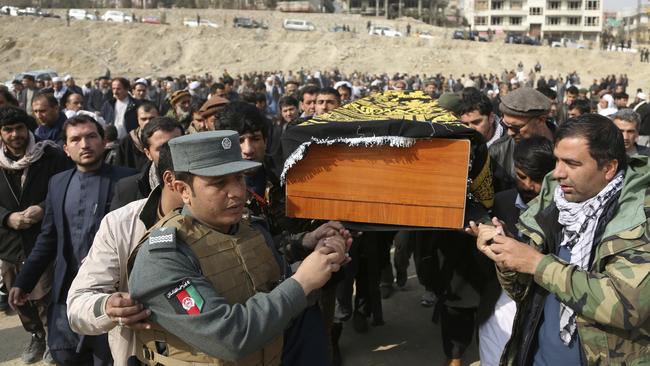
514,129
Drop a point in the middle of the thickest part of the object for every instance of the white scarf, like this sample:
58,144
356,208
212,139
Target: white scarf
59,94
33,153
579,220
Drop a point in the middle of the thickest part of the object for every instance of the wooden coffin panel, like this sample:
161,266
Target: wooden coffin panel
423,185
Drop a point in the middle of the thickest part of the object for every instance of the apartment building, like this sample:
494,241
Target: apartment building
577,19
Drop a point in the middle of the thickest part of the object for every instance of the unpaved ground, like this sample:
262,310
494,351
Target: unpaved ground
87,48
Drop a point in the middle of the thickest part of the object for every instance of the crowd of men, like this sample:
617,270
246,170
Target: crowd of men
143,221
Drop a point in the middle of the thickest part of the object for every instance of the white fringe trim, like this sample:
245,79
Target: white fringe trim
299,153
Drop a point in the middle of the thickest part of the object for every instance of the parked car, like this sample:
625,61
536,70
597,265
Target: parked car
568,43
531,41
151,20
514,38
425,35
337,29
10,10
384,30
29,11
298,25
46,74
246,22
81,14
191,23
458,34
47,14
117,16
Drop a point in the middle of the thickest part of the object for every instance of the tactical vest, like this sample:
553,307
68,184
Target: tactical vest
238,266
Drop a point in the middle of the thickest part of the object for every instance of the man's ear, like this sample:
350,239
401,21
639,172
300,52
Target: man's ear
610,168
168,179
148,154
184,189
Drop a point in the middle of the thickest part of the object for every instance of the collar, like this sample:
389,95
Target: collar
520,204
149,213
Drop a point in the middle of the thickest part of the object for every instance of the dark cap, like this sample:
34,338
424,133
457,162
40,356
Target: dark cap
178,95
525,102
212,106
450,102
209,154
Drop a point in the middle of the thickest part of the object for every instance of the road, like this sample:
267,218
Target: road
408,337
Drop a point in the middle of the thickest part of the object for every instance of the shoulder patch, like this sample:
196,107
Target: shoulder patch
164,237
185,298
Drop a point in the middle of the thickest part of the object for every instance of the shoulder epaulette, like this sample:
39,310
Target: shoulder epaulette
162,238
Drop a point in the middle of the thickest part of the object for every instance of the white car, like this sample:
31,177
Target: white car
384,30
81,14
204,23
568,43
9,10
298,25
117,16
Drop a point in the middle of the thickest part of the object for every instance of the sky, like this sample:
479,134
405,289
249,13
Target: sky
620,4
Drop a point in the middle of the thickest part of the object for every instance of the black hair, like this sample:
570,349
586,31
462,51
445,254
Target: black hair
330,91
473,100
621,96
125,83
309,89
79,120
167,124
583,105
29,77
288,100
48,97
260,97
248,97
9,97
110,133
573,90
10,115
67,99
534,156
215,86
165,162
243,118
604,140
548,92
148,106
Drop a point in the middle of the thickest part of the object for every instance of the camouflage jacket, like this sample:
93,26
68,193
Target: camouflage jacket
611,298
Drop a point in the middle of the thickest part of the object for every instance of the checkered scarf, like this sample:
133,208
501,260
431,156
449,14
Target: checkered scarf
579,220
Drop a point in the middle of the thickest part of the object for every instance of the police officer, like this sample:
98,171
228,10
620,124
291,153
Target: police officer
213,279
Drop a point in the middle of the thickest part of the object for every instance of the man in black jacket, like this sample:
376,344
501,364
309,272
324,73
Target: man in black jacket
130,152
525,112
26,167
121,110
533,158
76,202
153,136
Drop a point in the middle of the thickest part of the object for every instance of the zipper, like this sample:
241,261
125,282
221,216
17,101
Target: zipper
4,174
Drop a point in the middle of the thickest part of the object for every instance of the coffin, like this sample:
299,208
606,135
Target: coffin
423,185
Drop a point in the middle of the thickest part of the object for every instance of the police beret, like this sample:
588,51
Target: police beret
525,102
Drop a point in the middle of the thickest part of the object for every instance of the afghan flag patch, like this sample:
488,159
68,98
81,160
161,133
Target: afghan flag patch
185,298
